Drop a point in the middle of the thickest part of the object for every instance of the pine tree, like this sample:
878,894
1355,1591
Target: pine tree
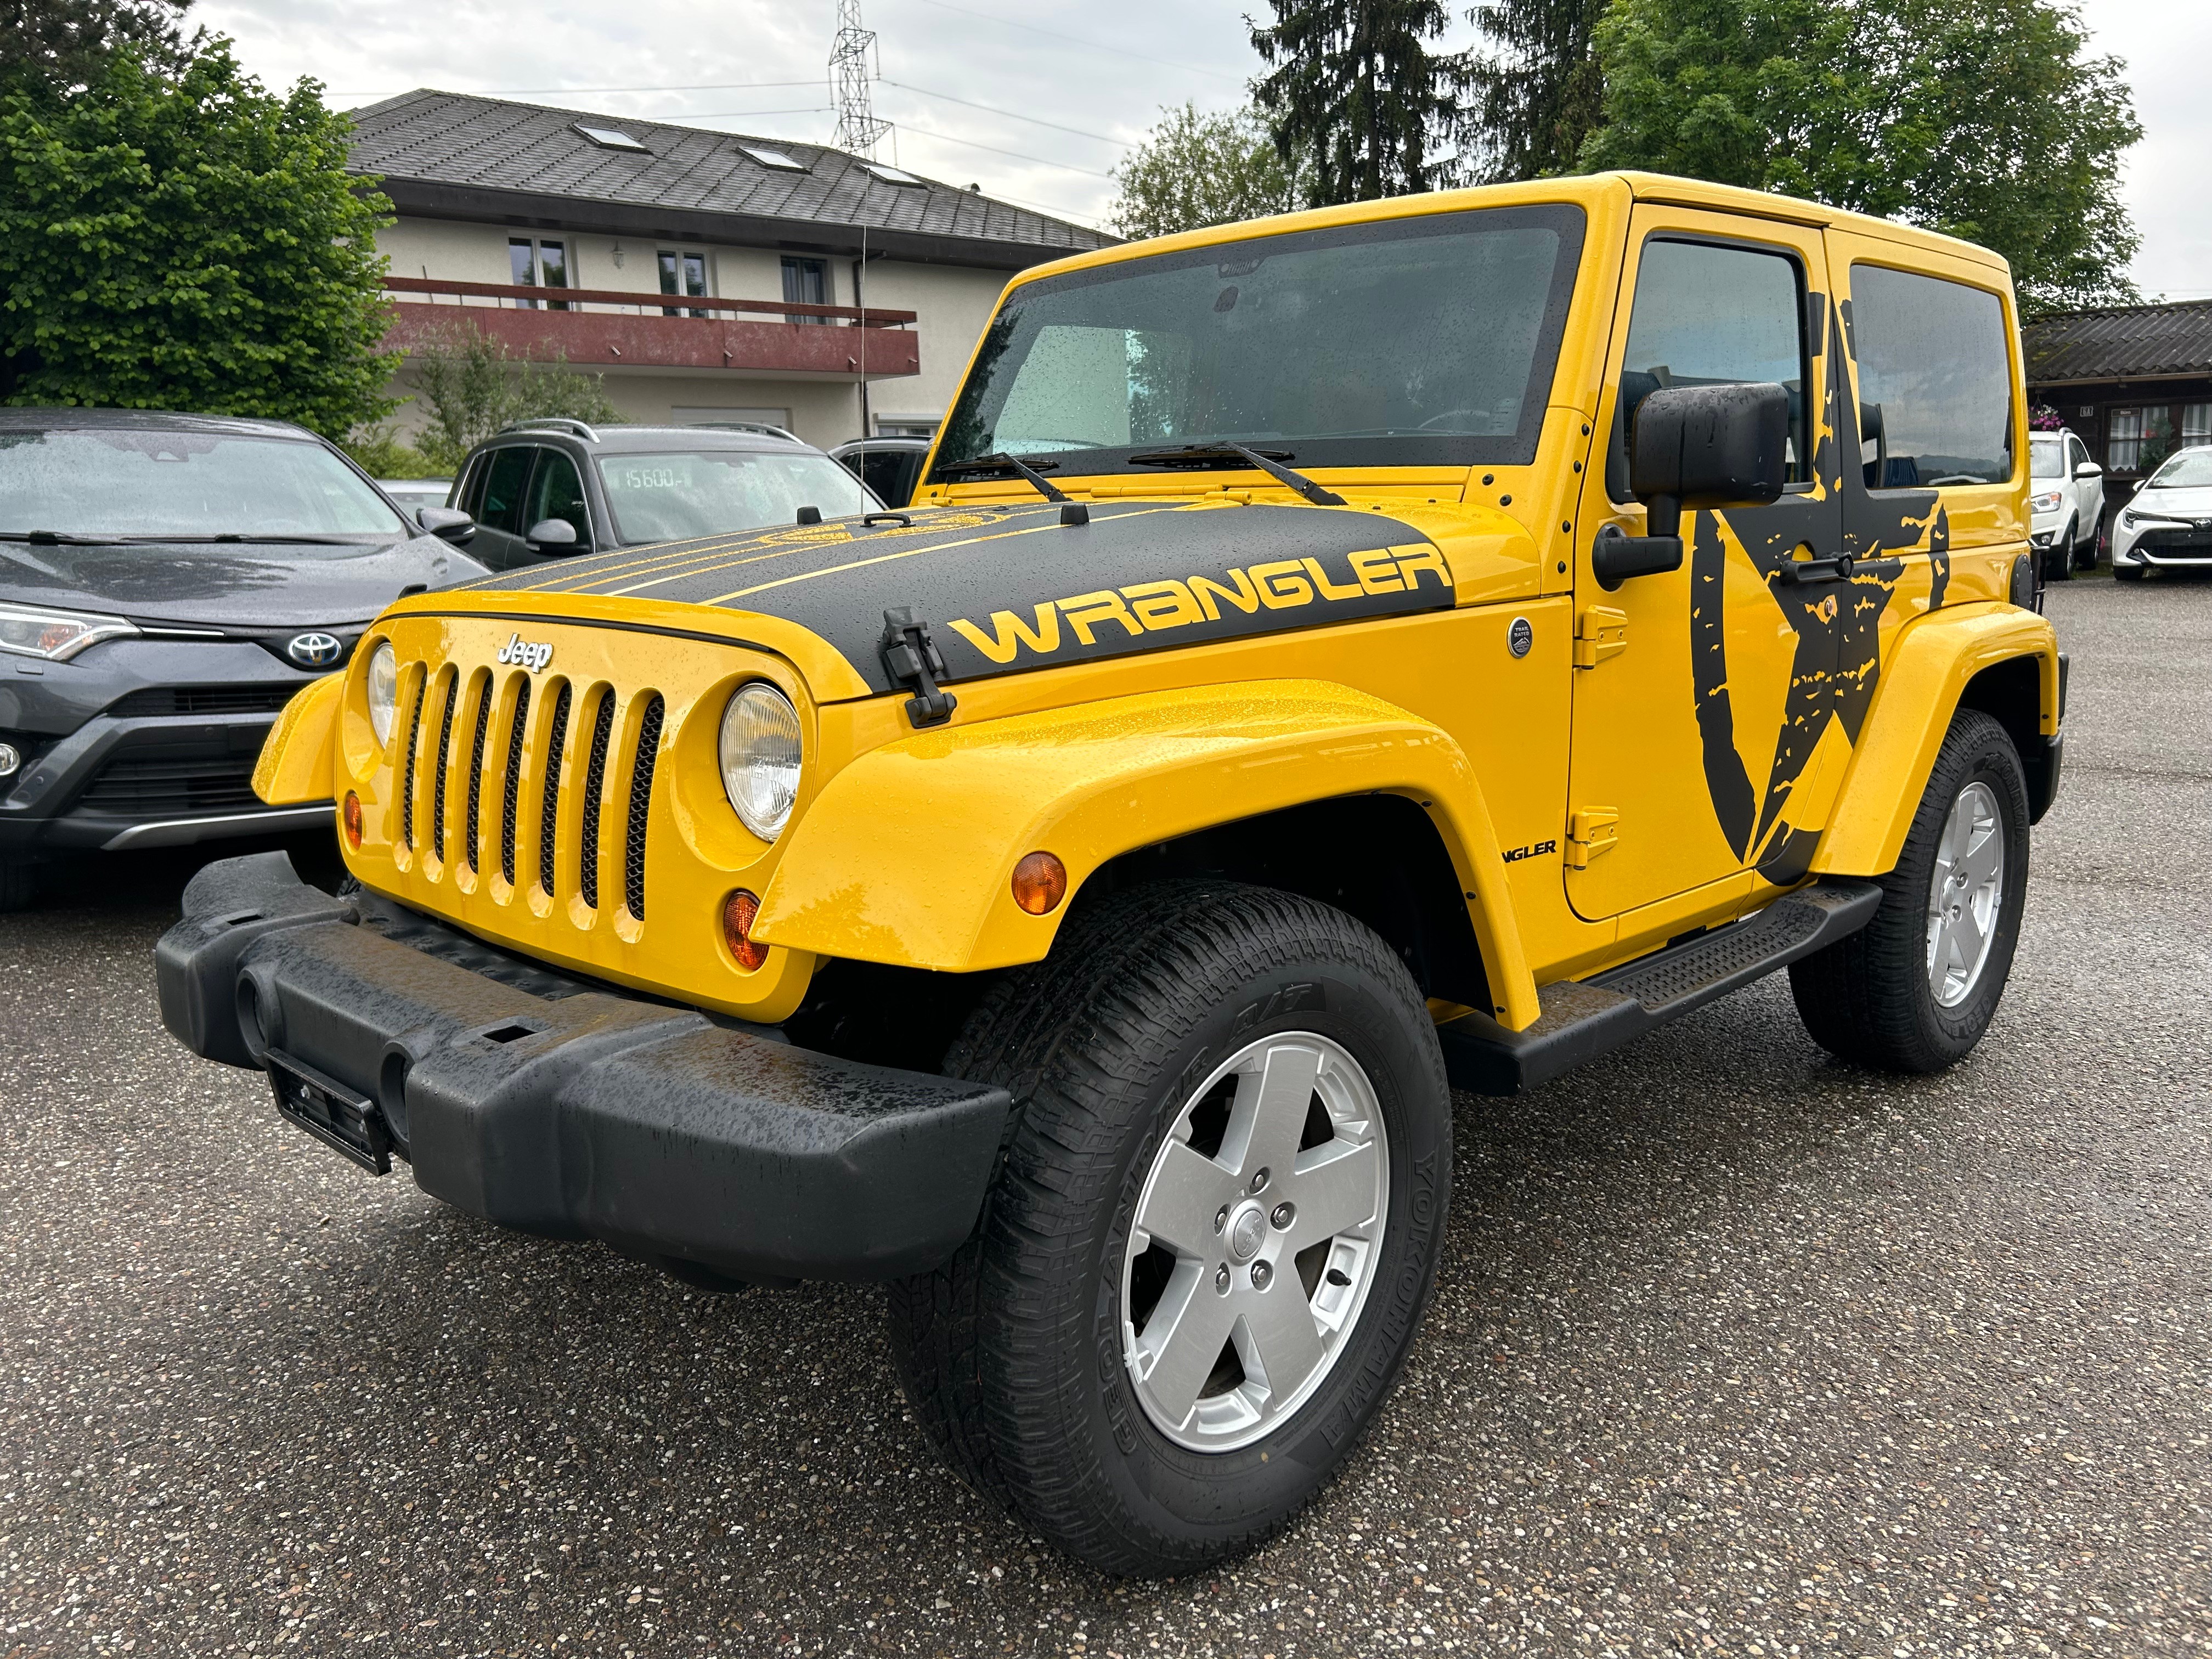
1357,98
1539,94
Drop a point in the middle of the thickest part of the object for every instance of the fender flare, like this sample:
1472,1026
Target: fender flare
299,757
1922,683
905,856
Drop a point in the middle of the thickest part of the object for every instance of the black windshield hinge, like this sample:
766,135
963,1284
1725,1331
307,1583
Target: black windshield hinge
911,658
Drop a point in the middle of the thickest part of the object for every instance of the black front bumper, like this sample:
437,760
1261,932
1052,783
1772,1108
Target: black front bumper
574,1111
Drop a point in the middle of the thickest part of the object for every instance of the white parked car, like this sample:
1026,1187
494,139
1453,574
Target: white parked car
2168,525
2066,494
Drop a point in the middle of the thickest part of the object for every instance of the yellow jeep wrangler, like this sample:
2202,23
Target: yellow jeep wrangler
1332,659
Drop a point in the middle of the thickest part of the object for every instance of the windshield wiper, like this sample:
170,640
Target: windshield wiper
54,539
1202,454
1004,462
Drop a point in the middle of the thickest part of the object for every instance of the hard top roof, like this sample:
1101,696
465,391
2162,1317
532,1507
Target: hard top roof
150,420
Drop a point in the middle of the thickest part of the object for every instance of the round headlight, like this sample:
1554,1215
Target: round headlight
383,691
760,758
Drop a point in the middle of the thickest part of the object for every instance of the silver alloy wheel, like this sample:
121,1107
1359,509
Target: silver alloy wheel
1964,895
1252,1256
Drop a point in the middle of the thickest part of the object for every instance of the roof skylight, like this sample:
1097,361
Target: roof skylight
773,158
891,175
611,138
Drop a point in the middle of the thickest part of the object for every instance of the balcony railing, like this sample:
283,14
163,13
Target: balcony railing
614,329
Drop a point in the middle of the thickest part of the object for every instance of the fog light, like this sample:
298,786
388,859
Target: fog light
739,911
351,814
9,759
1040,884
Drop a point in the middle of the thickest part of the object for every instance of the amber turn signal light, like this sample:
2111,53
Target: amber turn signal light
1040,884
352,816
739,911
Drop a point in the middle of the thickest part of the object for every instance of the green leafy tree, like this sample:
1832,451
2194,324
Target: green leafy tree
1358,102
1537,93
1196,170
474,386
1983,119
179,238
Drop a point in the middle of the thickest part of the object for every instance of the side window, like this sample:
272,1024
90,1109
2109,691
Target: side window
505,473
2076,455
556,492
1932,360
470,497
884,472
1709,315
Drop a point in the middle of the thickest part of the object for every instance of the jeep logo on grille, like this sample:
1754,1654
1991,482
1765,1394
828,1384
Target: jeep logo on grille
523,654
314,650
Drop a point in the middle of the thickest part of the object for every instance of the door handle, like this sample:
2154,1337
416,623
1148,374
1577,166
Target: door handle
1806,571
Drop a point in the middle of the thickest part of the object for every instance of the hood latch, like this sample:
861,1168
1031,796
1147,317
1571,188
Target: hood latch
912,658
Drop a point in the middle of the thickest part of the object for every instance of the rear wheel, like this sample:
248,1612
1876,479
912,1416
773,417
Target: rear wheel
1915,990
1198,1275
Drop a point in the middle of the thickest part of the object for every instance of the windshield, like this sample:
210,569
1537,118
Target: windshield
1412,341
2046,458
672,497
2191,469
131,483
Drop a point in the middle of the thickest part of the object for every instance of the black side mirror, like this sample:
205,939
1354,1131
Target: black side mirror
447,524
1696,445
552,535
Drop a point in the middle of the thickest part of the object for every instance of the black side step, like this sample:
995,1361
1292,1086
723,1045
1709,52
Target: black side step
1585,1018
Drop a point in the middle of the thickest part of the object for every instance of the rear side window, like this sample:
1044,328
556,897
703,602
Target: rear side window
1932,363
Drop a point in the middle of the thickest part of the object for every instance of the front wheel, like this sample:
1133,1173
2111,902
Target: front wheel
1215,1232
2059,561
1914,990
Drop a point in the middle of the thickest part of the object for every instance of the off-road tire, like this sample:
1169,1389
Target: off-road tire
1867,999
1011,1353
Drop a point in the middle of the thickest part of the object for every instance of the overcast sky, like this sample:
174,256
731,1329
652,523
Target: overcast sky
1063,86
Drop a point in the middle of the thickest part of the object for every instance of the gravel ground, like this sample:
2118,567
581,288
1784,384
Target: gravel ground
1735,1350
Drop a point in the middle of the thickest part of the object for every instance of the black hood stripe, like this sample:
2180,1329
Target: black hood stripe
1005,588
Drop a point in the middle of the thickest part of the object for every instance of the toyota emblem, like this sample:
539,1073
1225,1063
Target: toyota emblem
315,650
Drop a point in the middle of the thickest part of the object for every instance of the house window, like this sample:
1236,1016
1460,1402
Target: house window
806,283
539,264
2138,438
2196,425
686,274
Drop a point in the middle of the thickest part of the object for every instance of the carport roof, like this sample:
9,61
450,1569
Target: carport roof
455,155
2122,342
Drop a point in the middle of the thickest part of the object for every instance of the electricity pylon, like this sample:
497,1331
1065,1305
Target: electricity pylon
850,70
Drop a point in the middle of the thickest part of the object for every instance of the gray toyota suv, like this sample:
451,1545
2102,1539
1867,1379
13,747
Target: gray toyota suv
167,583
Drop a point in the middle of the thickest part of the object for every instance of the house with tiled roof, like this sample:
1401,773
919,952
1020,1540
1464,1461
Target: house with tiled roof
2133,382
707,275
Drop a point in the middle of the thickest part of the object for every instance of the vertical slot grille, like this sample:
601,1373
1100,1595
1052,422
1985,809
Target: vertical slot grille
414,747
475,774
551,795
595,780
641,800
514,781
445,758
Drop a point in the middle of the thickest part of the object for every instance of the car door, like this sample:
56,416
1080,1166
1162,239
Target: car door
2088,492
1700,720
555,491
499,506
